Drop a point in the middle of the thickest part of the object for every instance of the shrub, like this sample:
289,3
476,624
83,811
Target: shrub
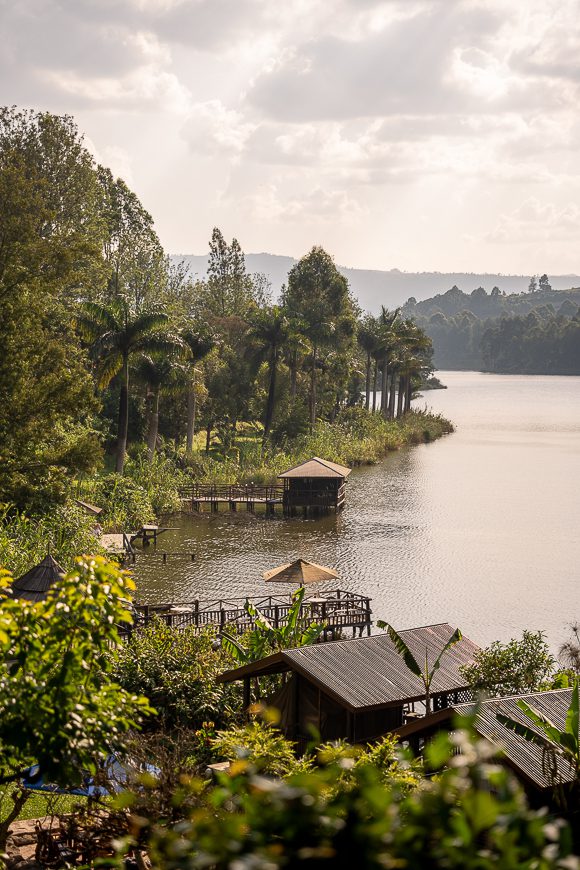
513,668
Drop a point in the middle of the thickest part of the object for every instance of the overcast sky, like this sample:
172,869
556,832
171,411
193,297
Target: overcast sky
441,134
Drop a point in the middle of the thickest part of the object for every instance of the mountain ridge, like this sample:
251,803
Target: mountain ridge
392,287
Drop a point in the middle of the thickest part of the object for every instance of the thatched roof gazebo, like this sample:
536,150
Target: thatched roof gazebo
35,584
299,572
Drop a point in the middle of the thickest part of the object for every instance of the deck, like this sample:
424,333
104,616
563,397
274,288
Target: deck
338,610
233,495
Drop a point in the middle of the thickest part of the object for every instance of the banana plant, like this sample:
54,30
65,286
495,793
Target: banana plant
425,674
555,743
266,638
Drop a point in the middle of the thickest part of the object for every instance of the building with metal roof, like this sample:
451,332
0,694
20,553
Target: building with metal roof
35,584
359,689
526,759
316,485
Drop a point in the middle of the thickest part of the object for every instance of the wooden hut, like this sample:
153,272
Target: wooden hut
524,758
315,485
35,584
358,689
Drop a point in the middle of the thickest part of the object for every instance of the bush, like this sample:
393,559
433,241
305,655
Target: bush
264,746
177,671
513,668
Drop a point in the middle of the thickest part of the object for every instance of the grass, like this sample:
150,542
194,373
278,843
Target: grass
39,804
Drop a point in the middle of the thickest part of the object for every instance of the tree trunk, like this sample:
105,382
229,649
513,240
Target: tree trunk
392,390
408,391
271,395
368,383
375,376
400,396
209,427
293,377
153,426
384,387
313,390
123,424
191,407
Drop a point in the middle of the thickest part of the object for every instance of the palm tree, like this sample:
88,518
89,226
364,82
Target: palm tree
159,374
269,331
426,674
199,343
415,348
368,340
118,332
386,339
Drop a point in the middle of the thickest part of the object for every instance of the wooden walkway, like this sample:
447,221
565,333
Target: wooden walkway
338,610
234,496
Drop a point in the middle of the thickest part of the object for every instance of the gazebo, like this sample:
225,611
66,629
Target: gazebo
300,572
35,584
316,485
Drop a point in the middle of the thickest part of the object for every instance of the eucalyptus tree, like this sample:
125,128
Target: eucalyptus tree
118,332
317,295
269,331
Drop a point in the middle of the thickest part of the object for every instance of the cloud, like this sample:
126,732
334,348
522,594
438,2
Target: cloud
212,129
535,221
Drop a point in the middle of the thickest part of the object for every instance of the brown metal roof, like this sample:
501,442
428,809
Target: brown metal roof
317,467
368,672
34,585
524,757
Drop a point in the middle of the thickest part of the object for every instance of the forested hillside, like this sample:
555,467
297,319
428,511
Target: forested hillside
537,332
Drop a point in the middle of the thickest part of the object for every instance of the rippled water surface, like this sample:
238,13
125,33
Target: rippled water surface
480,529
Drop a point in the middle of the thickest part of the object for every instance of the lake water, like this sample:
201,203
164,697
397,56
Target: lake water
479,529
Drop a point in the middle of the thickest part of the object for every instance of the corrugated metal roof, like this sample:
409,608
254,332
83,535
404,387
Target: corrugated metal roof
368,672
34,585
525,757
317,467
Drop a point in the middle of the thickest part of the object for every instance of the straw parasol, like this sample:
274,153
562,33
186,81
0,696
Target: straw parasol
300,572
34,585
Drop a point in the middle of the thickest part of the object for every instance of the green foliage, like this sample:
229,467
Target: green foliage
125,502
473,816
177,671
267,638
263,746
516,668
24,541
59,707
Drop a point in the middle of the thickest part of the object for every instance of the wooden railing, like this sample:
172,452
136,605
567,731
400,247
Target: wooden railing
227,492
337,609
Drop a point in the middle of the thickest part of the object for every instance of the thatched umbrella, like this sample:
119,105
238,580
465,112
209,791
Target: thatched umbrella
34,585
299,572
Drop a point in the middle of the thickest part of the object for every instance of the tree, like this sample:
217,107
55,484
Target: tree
544,283
514,668
368,339
199,342
50,233
160,374
59,708
118,331
317,296
533,285
426,673
386,342
229,288
270,329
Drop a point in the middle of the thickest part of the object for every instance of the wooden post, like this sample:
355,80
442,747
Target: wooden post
247,697
276,616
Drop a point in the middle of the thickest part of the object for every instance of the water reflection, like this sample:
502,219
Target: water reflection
478,529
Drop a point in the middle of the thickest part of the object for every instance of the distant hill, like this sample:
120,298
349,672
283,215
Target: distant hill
374,288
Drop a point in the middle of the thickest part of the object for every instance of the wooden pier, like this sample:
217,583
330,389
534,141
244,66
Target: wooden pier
234,496
338,610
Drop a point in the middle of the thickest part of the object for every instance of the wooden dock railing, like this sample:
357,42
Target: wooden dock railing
338,610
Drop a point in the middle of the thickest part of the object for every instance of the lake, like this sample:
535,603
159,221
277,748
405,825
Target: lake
479,529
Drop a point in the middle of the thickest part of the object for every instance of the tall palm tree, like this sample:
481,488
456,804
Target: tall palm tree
368,340
269,331
160,374
386,340
199,343
118,332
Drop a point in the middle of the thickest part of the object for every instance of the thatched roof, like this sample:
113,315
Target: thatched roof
317,467
299,572
34,585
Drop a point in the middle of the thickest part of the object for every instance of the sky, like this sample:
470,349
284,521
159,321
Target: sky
435,135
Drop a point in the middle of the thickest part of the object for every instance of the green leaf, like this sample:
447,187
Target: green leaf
455,638
404,651
573,718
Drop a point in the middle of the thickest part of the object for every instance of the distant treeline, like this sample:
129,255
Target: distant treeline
526,333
